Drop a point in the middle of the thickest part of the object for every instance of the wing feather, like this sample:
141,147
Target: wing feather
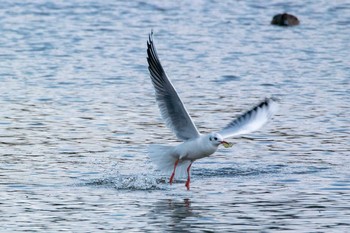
251,120
171,107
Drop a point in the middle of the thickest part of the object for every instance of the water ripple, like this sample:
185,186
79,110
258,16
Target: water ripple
76,99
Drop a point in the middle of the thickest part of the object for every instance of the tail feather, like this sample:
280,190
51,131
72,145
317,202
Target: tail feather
164,157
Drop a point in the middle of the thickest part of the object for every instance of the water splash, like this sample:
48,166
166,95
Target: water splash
130,182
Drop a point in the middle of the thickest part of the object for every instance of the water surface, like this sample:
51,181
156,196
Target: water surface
78,112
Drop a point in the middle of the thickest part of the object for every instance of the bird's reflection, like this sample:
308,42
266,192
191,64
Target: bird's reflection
171,215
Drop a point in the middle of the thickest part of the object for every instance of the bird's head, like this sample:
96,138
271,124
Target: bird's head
216,139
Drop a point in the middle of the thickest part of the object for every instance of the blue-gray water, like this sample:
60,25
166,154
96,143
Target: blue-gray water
78,112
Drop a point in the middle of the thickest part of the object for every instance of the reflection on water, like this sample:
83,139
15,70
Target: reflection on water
175,213
78,112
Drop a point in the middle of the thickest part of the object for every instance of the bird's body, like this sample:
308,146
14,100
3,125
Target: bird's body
178,159
186,152
196,148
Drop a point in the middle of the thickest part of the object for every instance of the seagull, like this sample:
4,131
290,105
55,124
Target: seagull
195,145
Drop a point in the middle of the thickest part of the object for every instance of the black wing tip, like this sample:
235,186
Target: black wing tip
266,103
268,100
154,65
150,38
262,104
150,45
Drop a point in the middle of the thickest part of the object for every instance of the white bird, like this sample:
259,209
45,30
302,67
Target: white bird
196,145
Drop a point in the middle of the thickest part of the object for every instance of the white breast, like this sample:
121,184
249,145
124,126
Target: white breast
195,149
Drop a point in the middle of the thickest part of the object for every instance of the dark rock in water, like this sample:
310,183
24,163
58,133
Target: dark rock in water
285,20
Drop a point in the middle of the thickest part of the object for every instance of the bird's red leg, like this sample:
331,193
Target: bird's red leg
188,177
173,174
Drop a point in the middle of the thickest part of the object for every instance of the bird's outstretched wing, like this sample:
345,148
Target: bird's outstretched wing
251,120
171,107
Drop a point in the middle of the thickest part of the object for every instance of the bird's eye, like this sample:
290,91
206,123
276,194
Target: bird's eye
210,139
215,138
